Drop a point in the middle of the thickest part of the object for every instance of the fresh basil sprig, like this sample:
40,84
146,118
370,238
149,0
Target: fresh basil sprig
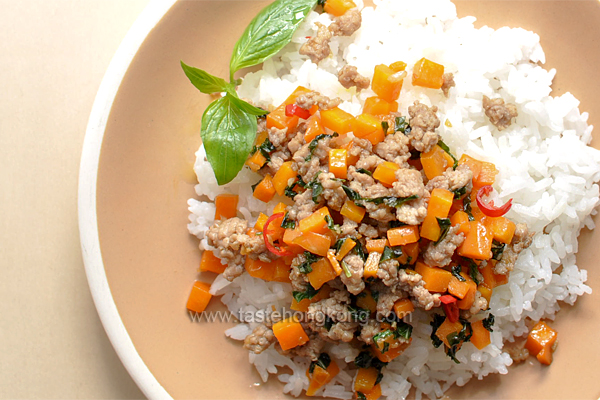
269,32
229,124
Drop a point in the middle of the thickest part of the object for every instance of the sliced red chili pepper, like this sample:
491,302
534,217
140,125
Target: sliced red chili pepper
450,308
293,109
268,243
448,299
490,209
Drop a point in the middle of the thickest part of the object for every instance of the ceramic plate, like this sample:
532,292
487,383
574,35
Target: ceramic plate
136,176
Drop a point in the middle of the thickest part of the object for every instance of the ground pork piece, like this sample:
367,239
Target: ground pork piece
296,143
414,211
349,228
479,304
303,206
298,279
320,154
409,182
308,100
227,237
259,340
394,148
387,297
379,212
448,83
277,136
343,331
261,125
520,241
317,47
368,231
277,160
368,330
346,24
334,310
421,297
388,272
499,113
333,193
311,350
441,254
354,283
423,123
348,76
453,179
368,161
516,350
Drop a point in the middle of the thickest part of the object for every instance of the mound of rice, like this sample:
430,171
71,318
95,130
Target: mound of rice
544,162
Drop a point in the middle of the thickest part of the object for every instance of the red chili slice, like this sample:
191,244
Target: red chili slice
490,209
268,243
293,109
450,305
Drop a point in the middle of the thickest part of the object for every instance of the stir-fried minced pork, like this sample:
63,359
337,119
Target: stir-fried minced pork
452,180
423,123
347,24
448,83
311,350
308,100
500,113
394,148
297,278
259,340
409,182
355,267
349,77
520,241
368,330
413,212
440,255
317,47
388,272
332,190
303,206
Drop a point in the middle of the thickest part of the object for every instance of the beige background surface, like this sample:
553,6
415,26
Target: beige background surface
53,54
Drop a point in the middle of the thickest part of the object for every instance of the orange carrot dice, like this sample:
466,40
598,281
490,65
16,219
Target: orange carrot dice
377,245
256,161
345,249
351,159
403,235
428,74
502,228
435,162
411,251
438,207
379,107
338,7
321,377
403,307
283,177
481,336
387,83
367,301
447,328
289,333
459,288
314,127
199,297
353,212
210,262
485,291
374,393
461,219
398,66
393,351
466,302
315,222
265,191
226,206
386,173
322,272
436,279
315,243
365,379
540,341
338,163
477,243
304,303
337,120
369,127
278,119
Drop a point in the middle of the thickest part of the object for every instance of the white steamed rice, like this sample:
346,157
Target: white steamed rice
544,162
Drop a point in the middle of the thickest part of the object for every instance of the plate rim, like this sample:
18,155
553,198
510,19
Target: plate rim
86,199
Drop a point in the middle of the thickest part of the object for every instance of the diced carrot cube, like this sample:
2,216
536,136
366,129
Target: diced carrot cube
368,127
345,249
398,66
488,275
338,7
481,336
540,341
353,212
461,219
314,127
428,74
438,207
315,222
447,328
304,303
337,120
403,307
374,393
411,251
501,279
199,297
256,161
477,243
365,379
338,163
436,279
435,162
377,245
395,349
459,288
289,333
387,83
322,272
403,235
351,159
315,243
321,377
485,291
283,177
386,173
265,191
379,107
502,228
466,302
367,301
226,206
210,262
278,119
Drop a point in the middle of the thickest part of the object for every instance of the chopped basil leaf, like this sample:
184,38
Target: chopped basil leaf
266,148
315,142
456,272
332,225
288,223
379,378
385,126
473,269
359,314
328,324
360,396
445,225
352,194
360,251
467,208
458,193
391,253
290,192
392,201
316,188
497,250
396,224
310,258
489,322
364,171
402,125
435,324
346,269
321,2
363,360
375,295
445,147
455,339
381,336
309,293
301,182
323,362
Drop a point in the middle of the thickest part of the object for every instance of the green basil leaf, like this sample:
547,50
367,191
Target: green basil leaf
249,108
445,147
488,322
205,82
228,134
444,224
269,32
